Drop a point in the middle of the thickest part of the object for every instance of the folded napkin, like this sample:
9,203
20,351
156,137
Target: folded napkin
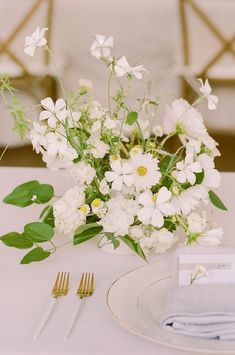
205,308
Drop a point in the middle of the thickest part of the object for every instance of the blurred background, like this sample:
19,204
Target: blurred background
176,40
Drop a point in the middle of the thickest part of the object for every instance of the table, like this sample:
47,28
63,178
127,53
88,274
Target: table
25,289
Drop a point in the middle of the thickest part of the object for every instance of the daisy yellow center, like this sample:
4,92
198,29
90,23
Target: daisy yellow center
114,157
136,150
142,170
154,197
96,202
84,209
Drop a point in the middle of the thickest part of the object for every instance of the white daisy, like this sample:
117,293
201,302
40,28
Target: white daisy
145,171
121,174
155,207
184,119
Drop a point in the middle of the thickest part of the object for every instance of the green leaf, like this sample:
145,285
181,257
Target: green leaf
167,163
28,193
86,232
44,193
47,216
216,201
131,117
39,231
16,240
169,225
200,177
36,254
135,246
113,240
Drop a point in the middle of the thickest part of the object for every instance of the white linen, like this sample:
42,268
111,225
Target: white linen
25,289
200,310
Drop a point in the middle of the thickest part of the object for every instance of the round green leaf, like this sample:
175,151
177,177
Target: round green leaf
36,254
39,231
16,240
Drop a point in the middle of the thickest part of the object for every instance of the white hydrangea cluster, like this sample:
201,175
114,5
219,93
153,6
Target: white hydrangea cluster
126,180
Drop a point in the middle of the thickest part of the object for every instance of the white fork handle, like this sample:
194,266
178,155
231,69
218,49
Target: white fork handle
72,318
45,318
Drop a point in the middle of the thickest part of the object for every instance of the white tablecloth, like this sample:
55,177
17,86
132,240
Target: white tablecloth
25,289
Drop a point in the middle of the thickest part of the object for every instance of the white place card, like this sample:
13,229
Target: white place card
220,269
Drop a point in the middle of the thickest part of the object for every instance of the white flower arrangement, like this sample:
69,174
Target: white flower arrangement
128,187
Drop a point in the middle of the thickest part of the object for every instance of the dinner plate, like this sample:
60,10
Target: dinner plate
136,301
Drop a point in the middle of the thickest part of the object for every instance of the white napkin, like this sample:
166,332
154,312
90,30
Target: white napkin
205,308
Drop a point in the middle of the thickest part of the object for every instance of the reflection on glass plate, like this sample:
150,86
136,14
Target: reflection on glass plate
136,301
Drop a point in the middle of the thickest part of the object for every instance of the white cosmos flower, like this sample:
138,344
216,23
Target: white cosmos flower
187,200
120,174
145,171
53,112
36,39
211,237
122,67
212,177
187,169
37,136
101,46
181,117
205,89
155,207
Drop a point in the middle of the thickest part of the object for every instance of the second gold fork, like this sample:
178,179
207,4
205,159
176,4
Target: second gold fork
85,289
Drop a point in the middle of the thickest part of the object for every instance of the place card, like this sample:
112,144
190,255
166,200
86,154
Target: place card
220,269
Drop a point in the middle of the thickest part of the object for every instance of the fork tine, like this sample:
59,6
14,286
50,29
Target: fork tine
79,290
60,282
91,289
66,290
56,283
85,285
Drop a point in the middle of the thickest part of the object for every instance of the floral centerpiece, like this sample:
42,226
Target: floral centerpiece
128,186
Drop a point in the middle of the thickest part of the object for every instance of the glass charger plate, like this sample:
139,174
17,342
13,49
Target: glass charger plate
136,300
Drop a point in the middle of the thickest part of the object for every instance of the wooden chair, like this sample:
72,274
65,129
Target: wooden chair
209,68
38,80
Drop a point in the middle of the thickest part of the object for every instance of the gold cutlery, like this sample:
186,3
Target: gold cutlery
60,288
85,289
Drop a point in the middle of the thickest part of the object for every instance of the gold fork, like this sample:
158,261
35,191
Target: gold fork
85,289
60,288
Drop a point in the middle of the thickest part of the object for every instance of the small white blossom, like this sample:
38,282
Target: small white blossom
155,207
187,169
85,85
122,67
36,39
98,147
120,174
158,242
199,271
37,137
53,112
98,207
212,177
101,46
205,89
104,187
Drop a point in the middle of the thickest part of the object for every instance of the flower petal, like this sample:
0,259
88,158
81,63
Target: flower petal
146,199
163,195
48,104
157,219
